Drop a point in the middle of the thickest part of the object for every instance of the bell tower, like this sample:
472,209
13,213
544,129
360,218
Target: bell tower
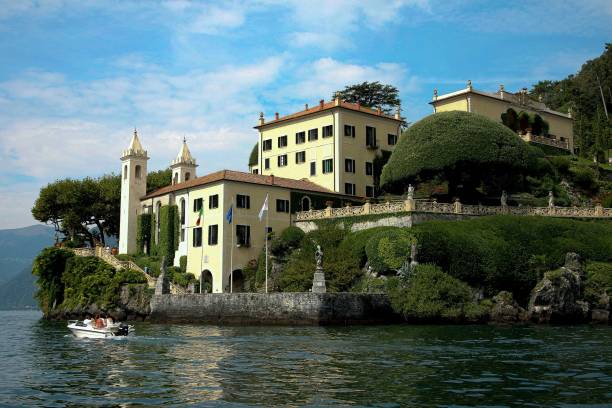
184,166
133,187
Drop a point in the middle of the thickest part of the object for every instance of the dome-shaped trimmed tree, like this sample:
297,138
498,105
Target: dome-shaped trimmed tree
465,149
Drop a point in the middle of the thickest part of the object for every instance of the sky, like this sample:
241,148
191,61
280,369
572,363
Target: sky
76,77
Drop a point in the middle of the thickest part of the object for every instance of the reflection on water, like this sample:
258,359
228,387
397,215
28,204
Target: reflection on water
314,366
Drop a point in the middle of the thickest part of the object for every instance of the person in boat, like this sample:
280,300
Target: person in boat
100,322
109,321
87,321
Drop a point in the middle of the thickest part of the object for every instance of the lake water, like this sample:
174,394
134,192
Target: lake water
383,366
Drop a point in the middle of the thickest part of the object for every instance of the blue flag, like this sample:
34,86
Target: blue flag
230,214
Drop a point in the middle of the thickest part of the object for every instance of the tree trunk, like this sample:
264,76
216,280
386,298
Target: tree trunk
102,239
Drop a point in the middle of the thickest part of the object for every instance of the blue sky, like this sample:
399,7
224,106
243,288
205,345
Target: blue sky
76,77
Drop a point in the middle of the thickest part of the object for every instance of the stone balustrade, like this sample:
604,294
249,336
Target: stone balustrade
411,205
561,144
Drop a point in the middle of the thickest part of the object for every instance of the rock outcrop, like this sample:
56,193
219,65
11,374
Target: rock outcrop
505,309
557,297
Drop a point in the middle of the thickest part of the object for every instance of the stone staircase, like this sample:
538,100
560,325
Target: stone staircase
100,252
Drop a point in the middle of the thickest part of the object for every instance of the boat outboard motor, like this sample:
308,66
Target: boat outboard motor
124,330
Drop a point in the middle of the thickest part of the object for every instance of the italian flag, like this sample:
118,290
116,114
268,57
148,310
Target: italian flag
200,213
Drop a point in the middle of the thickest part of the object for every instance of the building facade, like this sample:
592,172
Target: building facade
333,144
217,246
492,105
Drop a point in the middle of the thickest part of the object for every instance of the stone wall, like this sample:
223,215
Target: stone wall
273,308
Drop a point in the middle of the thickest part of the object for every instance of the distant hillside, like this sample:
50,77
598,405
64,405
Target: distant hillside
19,246
18,292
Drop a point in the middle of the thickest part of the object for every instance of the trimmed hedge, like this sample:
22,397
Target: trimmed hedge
451,143
254,156
388,249
169,232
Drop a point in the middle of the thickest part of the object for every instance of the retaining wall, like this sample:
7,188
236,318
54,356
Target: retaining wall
273,308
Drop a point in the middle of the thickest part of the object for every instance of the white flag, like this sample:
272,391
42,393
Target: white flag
264,207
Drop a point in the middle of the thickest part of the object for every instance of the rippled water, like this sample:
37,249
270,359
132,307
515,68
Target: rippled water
388,366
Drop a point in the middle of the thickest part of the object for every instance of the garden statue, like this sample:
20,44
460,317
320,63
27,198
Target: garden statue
318,281
504,199
410,192
413,255
551,199
319,257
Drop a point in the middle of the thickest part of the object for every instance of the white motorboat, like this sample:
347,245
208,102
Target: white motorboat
87,331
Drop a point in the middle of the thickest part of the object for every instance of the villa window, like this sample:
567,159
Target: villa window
197,237
313,134
349,165
197,204
267,163
187,176
369,169
369,191
137,171
269,233
282,141
313,168
243,201
349,131
349,188
370,136
282,160
391,139
282,206
255,171
300,157
213,201
300,137
213,234
328,131
243,235
267,145
328,166
182,234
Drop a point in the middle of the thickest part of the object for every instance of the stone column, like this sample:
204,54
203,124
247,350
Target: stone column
162,285
409,205
599,210
457,206
367,207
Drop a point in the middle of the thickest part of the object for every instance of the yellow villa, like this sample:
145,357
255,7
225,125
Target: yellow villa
332,144
214,247
492,105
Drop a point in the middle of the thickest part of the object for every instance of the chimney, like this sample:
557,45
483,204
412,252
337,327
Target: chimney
379,110
469,84
398,112
271,179
305,106
276,116
435,97
501,91
337,100
261,119
321,103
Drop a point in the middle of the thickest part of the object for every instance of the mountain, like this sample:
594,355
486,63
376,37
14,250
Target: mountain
19,247
18,292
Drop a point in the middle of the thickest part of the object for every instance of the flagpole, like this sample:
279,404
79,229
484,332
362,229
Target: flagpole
232,250
267,212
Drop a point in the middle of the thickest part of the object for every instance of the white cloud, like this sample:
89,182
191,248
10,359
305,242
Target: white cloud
214,20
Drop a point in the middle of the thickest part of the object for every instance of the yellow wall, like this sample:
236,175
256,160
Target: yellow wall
355,148
493,108
217,258
338,147
456,103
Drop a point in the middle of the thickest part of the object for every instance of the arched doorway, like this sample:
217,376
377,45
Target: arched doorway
305,204
207,281
237,281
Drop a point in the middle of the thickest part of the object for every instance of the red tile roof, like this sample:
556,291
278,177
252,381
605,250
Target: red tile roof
328,106
239,176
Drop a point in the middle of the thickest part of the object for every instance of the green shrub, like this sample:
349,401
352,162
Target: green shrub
355,243
254,156
387,250
168,234
143,232
585,178
432,295
183,263
288,240
598,281
508,253
89,280
129,276
560,163
49,267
